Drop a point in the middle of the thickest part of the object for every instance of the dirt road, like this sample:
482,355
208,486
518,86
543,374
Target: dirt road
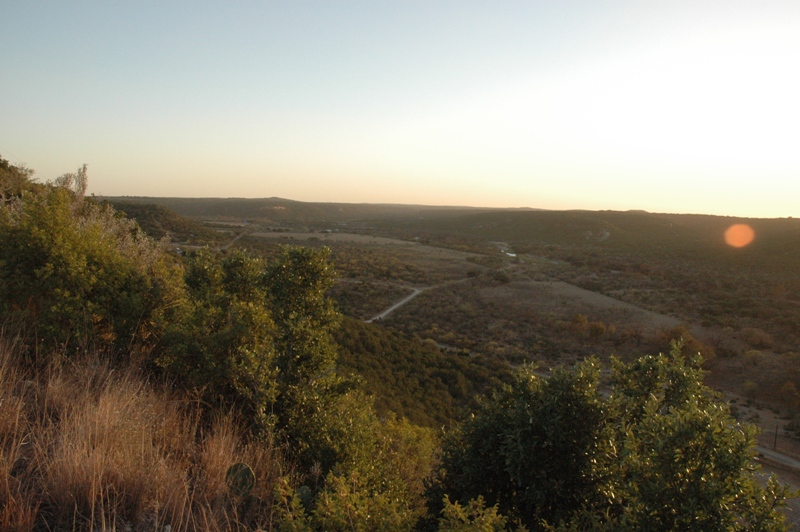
417,291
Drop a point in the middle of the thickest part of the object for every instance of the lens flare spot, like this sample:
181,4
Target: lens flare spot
739,235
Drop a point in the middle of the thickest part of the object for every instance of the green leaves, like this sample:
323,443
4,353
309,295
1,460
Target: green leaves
472,517
660,453
296,284
533,448
74,274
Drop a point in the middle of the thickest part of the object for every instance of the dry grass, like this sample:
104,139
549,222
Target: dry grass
84,446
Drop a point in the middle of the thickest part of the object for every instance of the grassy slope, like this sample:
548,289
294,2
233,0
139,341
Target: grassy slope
84,446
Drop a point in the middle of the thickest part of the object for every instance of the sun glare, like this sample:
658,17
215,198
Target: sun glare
739,235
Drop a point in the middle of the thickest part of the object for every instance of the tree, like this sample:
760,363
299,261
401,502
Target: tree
532,448
662,452
257,336
14,181
224,343
687,464
297,283
74,274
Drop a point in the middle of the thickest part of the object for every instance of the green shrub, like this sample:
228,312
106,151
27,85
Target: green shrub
75,275
661,453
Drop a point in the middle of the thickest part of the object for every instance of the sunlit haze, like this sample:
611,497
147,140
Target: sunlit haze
679,106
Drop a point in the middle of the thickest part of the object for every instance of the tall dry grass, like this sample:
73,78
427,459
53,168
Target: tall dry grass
88,446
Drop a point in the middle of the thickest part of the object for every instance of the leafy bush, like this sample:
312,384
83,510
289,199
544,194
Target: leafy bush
661,453
756,338
74,274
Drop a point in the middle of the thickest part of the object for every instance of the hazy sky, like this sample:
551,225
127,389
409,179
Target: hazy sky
671,106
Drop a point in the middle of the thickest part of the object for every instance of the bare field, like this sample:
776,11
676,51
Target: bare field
386,259
567,299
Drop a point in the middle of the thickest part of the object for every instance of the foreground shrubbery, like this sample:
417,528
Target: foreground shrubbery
96,314
661,452
86,445
75,274
235,334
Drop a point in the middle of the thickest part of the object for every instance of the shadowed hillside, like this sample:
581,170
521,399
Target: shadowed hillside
158,221
630,231
282,210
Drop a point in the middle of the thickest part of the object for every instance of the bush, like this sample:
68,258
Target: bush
756,338
75,275
661,453
690,346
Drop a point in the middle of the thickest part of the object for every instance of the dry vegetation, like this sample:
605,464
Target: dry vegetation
87,446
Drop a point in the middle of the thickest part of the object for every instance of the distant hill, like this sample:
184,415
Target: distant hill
637,232
281,210
159,221
632,231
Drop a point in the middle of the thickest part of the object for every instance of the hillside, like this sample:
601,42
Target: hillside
637,233
158,222
416,379
527,275
633,231
278,210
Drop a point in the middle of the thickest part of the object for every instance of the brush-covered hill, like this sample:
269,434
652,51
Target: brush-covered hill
158,221
630,230
279,210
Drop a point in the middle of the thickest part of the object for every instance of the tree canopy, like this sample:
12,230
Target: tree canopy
74,274
660,452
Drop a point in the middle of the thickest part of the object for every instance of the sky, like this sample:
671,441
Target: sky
669,106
